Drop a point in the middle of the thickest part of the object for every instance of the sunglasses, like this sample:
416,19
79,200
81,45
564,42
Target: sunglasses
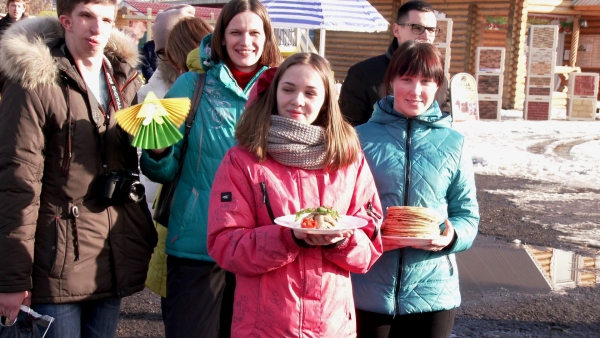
419,29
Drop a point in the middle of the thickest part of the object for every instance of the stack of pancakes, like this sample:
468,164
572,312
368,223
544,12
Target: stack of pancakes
411,222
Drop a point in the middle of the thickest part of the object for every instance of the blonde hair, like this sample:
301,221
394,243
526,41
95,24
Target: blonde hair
183,38
341,141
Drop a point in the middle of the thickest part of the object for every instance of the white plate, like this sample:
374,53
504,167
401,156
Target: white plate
344,223
407,241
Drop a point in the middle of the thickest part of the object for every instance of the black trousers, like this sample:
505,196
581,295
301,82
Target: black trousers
199,299
436,324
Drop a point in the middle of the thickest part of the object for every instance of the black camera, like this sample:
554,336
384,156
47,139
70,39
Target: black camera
122,186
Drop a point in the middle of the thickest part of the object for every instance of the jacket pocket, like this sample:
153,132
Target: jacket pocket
50,246
189,213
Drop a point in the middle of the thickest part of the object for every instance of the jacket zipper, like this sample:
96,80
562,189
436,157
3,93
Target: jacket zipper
398,278
266,202
406,186
408,168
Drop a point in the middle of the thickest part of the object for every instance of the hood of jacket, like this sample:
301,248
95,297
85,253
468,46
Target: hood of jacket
193,61
26,57
205,51
384,113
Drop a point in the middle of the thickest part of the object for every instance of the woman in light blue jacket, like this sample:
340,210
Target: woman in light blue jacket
417,160
241,47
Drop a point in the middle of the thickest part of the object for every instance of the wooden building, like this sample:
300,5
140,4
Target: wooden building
471,29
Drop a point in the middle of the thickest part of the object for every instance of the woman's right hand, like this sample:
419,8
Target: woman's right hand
159,151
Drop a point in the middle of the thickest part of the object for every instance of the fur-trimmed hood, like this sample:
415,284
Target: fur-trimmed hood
26,58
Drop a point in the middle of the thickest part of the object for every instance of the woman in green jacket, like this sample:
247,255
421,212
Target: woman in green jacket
241,47
416,160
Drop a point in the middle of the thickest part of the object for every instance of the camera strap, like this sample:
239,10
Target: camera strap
117,103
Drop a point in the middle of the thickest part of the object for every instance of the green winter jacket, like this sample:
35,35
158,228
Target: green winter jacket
212,134
425,153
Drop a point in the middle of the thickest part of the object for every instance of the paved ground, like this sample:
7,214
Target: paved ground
536,213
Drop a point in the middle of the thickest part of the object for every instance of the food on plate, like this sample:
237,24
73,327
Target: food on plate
403,221
318,218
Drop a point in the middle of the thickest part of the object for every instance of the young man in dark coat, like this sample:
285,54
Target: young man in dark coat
363,85
68,247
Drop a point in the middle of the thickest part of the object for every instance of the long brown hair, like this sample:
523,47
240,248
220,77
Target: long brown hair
341,140
271,56
183,38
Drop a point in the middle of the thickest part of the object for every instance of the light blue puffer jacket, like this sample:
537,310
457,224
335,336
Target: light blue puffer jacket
222,103
440,176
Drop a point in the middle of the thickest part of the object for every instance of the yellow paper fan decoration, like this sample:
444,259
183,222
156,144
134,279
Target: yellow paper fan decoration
155,122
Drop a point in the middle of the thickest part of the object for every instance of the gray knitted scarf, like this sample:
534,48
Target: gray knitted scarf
296,144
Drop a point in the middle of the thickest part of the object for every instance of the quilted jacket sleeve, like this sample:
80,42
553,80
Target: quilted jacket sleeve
22,121
235,240
463,210
163,170
361,250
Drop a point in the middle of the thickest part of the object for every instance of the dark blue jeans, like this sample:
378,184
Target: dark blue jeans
88,319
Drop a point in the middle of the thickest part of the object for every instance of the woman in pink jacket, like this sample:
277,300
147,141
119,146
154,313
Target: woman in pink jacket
295,151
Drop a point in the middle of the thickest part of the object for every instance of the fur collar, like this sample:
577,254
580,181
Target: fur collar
25,57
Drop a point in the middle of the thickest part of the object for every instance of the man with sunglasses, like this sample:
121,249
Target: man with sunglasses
363,85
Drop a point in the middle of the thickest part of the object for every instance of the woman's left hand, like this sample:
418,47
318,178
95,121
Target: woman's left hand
443,241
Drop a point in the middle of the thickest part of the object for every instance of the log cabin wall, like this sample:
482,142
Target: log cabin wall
470,32
344,49
593,28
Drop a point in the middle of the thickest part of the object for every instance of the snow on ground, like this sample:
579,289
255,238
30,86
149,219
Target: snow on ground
566,152
558,151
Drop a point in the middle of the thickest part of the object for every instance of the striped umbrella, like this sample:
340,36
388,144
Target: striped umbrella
335,15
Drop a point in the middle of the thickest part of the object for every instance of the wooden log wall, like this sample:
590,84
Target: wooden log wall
593,28
344,49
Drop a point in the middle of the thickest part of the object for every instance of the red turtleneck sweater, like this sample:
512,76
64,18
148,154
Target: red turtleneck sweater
240,77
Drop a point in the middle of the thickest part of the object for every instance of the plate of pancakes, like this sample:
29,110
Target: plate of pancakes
411,226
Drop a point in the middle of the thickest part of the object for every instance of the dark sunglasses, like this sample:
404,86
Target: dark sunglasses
419,29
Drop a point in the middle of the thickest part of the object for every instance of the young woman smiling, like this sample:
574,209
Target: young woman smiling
294,151
417,159
241,47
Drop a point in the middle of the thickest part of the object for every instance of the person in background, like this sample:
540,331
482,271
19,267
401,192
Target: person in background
241,47
182,40
186,36
166,73
136,31
291,139
417,159
364,85
67,244
148,60
15,11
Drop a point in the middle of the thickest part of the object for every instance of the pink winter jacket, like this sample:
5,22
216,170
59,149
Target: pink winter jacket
284,289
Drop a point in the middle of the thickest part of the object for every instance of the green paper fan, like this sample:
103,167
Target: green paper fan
157,136
154,123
